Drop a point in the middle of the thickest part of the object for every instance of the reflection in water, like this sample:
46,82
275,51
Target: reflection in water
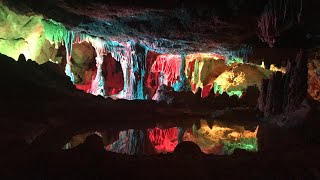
218,139
222,140
79,139
164,140
129,142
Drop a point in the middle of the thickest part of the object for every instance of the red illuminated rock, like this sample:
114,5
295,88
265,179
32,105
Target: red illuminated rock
314,79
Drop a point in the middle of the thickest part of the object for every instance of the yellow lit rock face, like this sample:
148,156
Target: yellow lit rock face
206,68
228,80
79,139
222,140
240,77
274,68
211,70
21,34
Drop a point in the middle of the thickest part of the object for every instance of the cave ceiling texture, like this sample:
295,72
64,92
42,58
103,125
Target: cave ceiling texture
183,26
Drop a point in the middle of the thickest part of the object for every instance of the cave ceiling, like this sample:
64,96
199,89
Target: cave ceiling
176,26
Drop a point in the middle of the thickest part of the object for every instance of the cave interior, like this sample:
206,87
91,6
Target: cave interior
160,90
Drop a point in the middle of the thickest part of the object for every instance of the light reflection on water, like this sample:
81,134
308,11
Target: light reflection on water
217,139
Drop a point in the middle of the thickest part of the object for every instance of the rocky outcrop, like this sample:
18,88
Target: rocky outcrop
283,94
113,75
187,149
24,34
83,55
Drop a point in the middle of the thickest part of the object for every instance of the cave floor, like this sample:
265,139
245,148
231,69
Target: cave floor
291,154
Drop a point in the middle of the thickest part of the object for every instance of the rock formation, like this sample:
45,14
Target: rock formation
314,79
284,94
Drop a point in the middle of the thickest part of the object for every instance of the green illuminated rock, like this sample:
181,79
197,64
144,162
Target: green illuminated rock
248,144
20,34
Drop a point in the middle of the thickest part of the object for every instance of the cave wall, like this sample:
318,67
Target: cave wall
24,34
92,63
282,98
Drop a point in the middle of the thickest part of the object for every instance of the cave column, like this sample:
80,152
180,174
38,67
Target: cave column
139,56
68,41
97,87
134,69
183,83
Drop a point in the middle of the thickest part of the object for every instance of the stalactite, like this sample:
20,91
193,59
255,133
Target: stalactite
181,72
203,68
133,63
278,14
56,33
182,84
267,25
238,56
97,87
169,67
139,55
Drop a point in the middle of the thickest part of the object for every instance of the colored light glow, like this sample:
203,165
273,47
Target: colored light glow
263,65
200,68
236,60
217,139
314,79
274,68
132,63
129,142
163,140
222,140
34,44
169,67
229,79
97,87
205,56
173,68
79,139
20,34
69,72
56,33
